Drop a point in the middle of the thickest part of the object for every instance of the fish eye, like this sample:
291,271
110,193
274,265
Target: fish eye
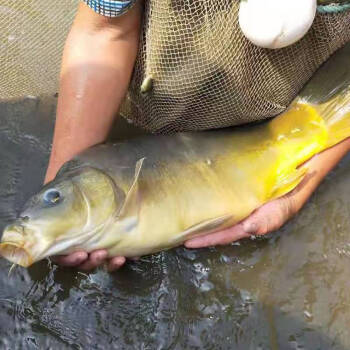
52,196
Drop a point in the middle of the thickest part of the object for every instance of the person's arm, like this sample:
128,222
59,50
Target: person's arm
98,60
272,215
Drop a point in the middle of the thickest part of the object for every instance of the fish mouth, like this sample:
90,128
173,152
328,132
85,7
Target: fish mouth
16,253
14,245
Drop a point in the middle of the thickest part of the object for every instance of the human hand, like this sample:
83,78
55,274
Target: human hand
87,262
269,217
272,215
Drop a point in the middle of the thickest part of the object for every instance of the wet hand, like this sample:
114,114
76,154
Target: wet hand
270,217
87,262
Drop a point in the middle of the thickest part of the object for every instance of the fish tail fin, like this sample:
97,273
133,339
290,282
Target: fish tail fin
319,126
336,115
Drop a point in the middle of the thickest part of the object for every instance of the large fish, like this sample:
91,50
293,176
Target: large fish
152,193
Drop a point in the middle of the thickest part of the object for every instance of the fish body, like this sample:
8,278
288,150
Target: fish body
152,193
193,183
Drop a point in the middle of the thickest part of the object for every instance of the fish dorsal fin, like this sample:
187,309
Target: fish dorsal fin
132,199
204,227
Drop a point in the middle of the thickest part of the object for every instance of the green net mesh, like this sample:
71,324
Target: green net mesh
31,41
206,74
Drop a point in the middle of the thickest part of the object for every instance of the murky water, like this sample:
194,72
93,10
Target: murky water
289,290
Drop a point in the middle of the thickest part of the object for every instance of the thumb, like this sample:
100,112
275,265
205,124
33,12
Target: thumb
269,217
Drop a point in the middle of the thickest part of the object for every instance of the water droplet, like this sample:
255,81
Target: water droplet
206,286
308,314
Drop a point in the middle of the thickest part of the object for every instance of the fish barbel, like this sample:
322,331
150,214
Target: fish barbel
152,193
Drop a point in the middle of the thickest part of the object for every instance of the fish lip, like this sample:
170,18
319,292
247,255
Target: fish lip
16,253
14,245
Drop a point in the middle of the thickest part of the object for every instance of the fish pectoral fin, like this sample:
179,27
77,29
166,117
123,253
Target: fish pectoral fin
132,200
204,227
287,183
129,223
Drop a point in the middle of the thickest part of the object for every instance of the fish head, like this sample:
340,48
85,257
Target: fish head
65,213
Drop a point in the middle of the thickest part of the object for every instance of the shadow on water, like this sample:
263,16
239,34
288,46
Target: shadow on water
286,291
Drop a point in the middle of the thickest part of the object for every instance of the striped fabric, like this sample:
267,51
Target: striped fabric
110,8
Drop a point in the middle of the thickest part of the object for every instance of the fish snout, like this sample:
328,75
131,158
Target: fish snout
13,245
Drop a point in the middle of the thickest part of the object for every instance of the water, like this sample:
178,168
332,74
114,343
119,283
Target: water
289,290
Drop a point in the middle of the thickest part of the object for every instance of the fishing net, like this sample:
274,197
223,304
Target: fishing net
196,69
207,75
31,42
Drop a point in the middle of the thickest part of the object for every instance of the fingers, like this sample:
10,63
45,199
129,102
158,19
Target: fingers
71,260
115,263
96,259
268,218
87,262
229,235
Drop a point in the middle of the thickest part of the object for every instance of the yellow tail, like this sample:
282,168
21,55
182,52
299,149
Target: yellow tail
336,115
304,130
318,119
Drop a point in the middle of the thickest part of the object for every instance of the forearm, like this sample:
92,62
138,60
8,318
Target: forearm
318,167
95,73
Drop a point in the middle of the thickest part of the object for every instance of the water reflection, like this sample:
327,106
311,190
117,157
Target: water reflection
285,291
